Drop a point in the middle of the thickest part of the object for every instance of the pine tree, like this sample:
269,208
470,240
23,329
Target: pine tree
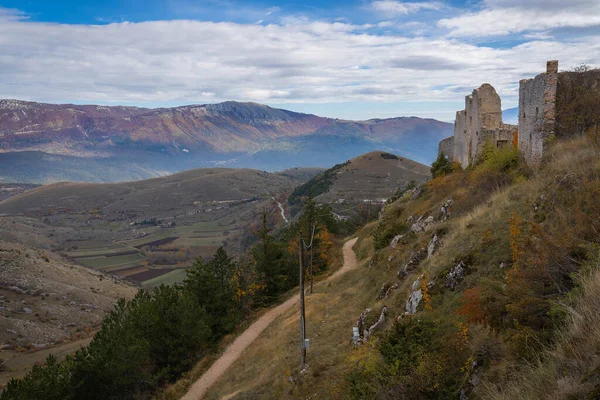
441,166
211,284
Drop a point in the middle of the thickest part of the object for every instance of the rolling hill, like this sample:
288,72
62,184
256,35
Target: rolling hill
48,305
46,143
370,178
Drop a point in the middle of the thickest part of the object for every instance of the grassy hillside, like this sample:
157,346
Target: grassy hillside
47,303
489,295
373,176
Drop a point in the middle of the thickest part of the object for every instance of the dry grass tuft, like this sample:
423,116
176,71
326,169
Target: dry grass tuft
571,370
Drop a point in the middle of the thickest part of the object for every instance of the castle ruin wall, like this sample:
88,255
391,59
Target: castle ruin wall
446,147
537,112
480,121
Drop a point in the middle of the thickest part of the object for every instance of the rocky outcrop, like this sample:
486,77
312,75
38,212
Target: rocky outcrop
416,192
456,275
386,289
433,245
414,259
474,380
421,224
377,325
395,241
360,322
445,210
415,297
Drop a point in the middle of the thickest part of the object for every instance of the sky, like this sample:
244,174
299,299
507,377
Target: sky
351,59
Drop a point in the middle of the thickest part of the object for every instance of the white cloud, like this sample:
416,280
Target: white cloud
299,61
394,7
504,17
10,14
273,10
538,35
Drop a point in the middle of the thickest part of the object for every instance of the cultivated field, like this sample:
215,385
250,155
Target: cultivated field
148,231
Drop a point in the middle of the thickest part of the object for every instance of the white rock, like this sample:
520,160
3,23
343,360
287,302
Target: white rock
455,275
432,246
413,301
395,241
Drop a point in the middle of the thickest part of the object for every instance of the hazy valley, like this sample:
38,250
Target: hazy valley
148,231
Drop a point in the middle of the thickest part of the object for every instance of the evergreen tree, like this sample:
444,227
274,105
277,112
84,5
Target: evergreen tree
273,264
210,283
441,166
51,381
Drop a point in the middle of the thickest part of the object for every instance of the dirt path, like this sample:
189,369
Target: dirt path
233,352
282,210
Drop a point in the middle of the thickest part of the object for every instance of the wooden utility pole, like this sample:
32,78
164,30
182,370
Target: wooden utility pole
311,267
302,313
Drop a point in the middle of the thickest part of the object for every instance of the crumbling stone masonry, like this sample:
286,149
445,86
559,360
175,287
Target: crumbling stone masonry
537,112
446,146
481,120
478,123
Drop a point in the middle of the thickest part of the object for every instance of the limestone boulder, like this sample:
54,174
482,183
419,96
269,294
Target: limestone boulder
415,297
433,245
456,275
395,241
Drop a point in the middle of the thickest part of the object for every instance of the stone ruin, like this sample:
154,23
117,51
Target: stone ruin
537,112
481,120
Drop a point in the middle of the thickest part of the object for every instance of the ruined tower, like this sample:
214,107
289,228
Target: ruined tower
479,122
537,112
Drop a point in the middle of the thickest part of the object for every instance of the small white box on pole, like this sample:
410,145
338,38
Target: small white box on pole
355,335
306,343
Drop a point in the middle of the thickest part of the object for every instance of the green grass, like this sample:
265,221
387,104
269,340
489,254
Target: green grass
170,278
147,239
128,260
91,245
199,242
99,252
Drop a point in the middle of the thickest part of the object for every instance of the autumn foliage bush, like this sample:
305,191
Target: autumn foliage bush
422,358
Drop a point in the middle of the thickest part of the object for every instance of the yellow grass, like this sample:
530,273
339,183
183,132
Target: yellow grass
570,370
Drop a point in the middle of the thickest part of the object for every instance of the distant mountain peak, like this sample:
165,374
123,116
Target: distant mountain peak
160,140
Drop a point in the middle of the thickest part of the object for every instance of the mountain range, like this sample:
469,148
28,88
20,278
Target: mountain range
45,143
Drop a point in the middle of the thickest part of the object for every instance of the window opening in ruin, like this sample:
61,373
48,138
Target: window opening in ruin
537,112
502,143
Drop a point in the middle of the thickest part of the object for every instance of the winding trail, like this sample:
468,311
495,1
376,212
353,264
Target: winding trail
282,211
235,350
